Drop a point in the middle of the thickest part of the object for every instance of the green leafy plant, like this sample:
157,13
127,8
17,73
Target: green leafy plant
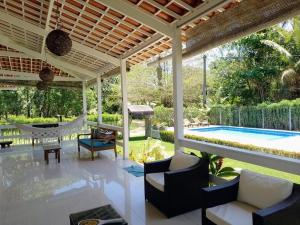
216,166
153,150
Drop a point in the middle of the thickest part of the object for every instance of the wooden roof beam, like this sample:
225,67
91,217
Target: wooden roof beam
128,9
143,45
42,32
17,75
60,64
202,10
49,12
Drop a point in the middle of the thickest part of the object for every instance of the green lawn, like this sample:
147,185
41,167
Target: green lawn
137,144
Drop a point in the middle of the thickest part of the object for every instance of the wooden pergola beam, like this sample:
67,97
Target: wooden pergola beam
17,75
29,27
137,14
61,64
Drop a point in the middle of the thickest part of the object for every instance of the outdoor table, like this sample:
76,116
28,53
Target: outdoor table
51,149
105,212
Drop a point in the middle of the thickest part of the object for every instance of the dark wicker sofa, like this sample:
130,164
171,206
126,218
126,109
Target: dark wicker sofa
182,188
286,212
99,139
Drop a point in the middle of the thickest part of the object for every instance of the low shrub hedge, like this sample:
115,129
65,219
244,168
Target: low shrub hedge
266,115
21,119
168,136
106,118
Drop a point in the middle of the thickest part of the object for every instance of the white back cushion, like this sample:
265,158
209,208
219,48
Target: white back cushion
182,161
262,191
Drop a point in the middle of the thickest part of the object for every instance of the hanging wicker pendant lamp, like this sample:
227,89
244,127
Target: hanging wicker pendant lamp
58,41
46,74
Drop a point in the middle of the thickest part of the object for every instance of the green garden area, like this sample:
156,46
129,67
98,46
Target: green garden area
258,72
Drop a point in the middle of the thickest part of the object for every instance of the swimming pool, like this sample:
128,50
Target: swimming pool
244,133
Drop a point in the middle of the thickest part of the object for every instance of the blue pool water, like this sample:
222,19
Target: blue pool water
245,133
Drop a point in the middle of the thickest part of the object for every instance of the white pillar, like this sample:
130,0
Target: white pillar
239,116
290,118
84,102
220,112
125,110
204,81
263,118
99,102
177,89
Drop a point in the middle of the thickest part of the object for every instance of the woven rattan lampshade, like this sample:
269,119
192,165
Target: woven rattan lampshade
46,74
58,42
41,85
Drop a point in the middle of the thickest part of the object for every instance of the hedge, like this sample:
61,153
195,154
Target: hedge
168,136
113,119
21,119
267,115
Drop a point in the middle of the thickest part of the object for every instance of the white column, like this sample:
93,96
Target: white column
99,98
263,118
177,89
124,109
204,81
84,102
239,116
290,118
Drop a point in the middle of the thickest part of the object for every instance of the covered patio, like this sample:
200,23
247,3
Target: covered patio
109,37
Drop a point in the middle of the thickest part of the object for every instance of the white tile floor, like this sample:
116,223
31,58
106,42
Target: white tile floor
33,193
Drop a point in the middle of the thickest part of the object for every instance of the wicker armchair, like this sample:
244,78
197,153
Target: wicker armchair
181,191
222,200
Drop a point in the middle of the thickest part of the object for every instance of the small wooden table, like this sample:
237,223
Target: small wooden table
104,212
51,149
5,143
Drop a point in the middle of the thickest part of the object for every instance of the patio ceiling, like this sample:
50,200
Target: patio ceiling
102,31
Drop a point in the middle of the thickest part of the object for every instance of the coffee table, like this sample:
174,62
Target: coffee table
51,149
104,212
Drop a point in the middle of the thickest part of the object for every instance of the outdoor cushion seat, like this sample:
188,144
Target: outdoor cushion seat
157,180
100,139
96,143
232,213
174,185
252,199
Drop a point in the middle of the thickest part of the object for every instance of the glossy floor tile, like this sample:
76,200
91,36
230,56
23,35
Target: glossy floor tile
33,193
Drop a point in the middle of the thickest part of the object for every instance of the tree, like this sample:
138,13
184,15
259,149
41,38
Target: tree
249,71
290,39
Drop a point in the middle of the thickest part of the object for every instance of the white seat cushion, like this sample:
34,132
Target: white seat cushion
262,191
182,161
233,213
157,180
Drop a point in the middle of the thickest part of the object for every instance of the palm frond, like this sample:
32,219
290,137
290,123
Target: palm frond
297,67
289,76
277,47
296,33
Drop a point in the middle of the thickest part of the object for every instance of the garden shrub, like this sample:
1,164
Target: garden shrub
163,116
113,119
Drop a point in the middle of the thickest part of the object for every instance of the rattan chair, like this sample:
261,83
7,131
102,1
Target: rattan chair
223,201
182,188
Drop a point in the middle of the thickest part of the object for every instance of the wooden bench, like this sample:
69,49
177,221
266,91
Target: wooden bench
100,139
5,144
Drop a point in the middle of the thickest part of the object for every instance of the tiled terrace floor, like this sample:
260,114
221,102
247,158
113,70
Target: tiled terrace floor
33,193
